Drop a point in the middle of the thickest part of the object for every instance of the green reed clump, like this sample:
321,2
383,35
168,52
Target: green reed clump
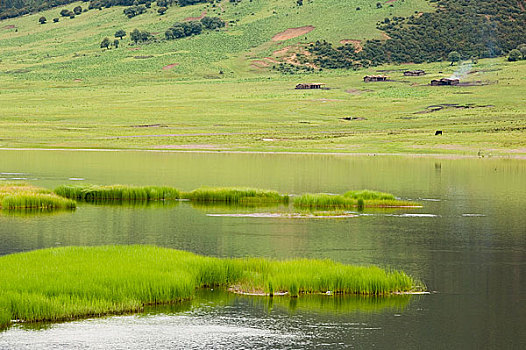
94,193
67,283
235,195
368,194
15,196
330,201
322,200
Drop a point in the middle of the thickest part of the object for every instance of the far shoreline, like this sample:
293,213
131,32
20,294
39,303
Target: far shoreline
344,154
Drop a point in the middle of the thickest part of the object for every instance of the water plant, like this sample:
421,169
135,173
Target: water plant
94,193
22,196
71,282
236,195
351,199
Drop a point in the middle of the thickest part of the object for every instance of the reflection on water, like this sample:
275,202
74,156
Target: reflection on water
468,243
217,319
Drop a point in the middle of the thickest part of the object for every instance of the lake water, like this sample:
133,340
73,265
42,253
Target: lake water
468,244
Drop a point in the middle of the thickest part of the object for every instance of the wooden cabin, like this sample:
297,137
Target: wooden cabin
444,81
414,73
369,78
303,86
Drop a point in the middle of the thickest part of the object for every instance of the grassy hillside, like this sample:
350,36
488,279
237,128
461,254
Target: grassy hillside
70,48
60,89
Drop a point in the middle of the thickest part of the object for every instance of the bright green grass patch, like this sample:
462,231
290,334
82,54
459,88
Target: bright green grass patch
93,193
368,194
14,196
352,199
236,195
67,283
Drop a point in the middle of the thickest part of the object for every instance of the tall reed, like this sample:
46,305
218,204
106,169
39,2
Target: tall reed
25,196
66,283
235,195
94,193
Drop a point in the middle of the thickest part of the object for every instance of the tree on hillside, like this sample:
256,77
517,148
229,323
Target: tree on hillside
120,34
77,10
522,49
116,43
515,55
56,19
162,10
65,13
135,35
42,20
453,57
105,43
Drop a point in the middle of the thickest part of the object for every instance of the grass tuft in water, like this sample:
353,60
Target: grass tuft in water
236,195
94,193
351,199
21,196
72,282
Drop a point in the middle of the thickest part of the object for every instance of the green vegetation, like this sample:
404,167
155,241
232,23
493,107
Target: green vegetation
484,28
93,193
352,199
233,195
21,196
67,283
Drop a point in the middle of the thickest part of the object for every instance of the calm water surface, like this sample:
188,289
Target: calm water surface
468,244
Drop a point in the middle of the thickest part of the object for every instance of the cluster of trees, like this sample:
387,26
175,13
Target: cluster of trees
133,11
482,28
15,8
184,29
64,13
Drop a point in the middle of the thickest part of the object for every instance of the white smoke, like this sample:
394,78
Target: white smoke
462,71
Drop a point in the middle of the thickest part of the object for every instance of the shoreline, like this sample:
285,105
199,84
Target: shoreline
361,154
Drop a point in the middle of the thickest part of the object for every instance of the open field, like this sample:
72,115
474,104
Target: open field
60,90
66,283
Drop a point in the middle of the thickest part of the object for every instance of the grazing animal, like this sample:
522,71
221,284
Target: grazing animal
438,132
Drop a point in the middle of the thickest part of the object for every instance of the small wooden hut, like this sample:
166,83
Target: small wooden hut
414,73
303,86
444,81
370,78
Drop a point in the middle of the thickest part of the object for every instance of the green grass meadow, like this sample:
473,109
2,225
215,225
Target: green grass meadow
60,90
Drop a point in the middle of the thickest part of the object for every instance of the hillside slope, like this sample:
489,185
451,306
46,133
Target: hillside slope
70,49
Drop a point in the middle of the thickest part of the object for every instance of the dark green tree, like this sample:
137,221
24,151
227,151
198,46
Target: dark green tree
55,19
77,10
135,35
116,43
42,20
522,49
105,44
120,34
162,10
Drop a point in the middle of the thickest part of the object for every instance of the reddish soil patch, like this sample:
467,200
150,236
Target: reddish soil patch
390,1
170,66
292,33
521,6
385,36
260,64
203,14
356,43
134,48
11,26
281,52
77,80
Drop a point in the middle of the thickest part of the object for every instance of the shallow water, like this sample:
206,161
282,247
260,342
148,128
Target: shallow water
468,244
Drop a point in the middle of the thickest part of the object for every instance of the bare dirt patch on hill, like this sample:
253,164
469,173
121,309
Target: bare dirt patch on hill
356,43
292,33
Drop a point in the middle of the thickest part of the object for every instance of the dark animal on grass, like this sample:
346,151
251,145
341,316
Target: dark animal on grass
438,132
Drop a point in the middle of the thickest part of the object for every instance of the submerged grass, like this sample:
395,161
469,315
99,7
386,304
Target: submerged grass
236,195
72,282
94,193
22,196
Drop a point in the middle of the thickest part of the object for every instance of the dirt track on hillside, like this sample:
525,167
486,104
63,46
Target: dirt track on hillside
292,33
